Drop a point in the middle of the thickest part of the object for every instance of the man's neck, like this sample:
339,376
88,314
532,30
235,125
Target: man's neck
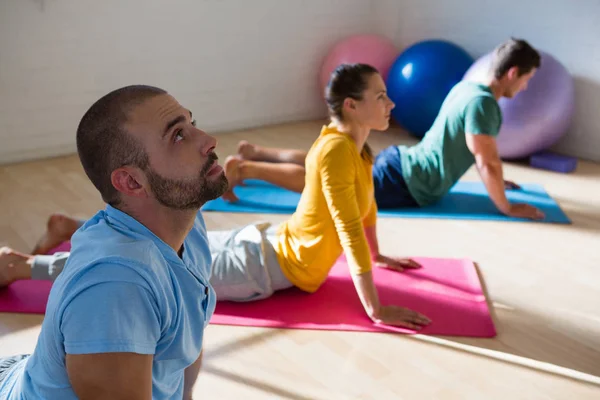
171,226
495,86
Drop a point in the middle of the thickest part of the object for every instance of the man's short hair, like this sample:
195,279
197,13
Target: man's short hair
514,53
104,145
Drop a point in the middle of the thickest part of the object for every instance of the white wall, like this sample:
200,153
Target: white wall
234,63
244,63
568,29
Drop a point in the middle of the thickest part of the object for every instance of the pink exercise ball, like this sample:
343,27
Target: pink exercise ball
537,117
374,50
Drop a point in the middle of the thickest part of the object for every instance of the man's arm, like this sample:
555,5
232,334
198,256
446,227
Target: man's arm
110,332
489,165
190,376
482,124
111,376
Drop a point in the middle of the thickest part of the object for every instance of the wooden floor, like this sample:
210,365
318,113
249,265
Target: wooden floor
543,281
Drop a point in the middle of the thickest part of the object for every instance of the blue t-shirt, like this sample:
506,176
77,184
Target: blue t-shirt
122,290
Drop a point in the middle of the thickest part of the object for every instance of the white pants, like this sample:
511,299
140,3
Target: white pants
244,266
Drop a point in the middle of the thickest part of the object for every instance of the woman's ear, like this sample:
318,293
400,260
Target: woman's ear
349,104
129,181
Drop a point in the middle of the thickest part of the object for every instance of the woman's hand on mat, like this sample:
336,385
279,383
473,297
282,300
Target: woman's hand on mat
400,316
510,185
395,263
522,210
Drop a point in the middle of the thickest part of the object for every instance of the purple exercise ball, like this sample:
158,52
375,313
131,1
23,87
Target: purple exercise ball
537,117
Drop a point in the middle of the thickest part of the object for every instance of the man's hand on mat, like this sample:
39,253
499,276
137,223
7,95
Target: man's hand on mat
522,210
510,185
400,316
397,264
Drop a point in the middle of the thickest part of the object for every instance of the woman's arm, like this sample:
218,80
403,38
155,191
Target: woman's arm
389,315
370,228
338,174
337,170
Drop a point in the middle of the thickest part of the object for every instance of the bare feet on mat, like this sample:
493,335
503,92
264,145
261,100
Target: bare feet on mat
247,150
59,229
232,172
13,266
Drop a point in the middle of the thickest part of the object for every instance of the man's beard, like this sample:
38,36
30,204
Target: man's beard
187,194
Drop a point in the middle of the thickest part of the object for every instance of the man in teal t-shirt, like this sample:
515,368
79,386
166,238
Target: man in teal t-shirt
463,134
433,166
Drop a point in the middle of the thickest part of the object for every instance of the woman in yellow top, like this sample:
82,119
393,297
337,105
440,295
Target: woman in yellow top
336,214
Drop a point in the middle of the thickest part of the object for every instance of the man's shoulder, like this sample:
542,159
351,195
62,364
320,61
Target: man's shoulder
133,255
100,250
475,93
119,263
107,244
116,266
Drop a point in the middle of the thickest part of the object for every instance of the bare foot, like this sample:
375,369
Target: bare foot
247,150
59,229
13,266
232,172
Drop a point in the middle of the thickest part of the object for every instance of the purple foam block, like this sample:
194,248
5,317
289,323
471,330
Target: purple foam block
553,162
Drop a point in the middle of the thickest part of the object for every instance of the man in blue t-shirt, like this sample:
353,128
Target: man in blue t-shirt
125,318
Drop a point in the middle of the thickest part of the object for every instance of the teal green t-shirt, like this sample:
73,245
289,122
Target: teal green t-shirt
431,167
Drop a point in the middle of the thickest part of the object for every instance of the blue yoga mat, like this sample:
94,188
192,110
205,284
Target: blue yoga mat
466,200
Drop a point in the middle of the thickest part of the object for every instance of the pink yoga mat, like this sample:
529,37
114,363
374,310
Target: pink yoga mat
29,297
26,297
448,291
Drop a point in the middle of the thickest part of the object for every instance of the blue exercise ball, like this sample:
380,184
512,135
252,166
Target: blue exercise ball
421,78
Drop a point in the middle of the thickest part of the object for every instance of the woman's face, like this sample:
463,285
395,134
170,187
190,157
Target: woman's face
374,110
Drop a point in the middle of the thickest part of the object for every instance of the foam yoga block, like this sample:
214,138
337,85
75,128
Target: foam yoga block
553,162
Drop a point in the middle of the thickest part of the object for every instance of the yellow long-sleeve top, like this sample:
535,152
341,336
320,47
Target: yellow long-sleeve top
337,203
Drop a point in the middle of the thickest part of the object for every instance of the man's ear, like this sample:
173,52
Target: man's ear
513,73
129,181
